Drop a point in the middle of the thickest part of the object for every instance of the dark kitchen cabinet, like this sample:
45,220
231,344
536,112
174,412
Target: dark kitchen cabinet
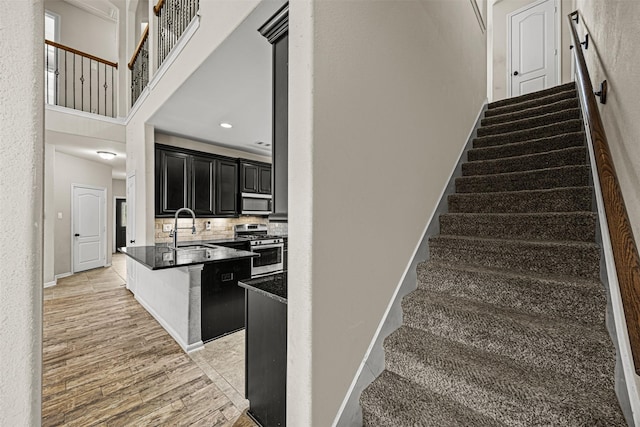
276,30
223,305
255,177
207,184
172,181
266,359
226,188
202,185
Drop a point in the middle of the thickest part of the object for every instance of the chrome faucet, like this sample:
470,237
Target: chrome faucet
174,232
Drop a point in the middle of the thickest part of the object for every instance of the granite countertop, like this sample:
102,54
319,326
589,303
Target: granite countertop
161,256
273,286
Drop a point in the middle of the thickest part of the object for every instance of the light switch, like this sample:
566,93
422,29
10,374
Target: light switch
166,227
59,215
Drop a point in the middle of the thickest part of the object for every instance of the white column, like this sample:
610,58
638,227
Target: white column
21,175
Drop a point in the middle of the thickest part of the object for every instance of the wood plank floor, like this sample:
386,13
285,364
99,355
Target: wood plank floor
107,362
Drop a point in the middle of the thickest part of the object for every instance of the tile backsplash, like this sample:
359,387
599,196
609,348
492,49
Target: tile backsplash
221,228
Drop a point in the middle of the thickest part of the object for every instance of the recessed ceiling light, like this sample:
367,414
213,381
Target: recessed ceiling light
107,155
226,125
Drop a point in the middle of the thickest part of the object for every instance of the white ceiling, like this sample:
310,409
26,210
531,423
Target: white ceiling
233,85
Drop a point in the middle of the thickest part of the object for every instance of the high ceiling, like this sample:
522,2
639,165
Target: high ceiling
232,86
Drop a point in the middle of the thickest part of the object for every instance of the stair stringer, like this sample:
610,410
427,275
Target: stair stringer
627,383
373,363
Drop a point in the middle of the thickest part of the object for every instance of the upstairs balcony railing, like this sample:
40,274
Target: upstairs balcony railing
139,66
78,80
173,18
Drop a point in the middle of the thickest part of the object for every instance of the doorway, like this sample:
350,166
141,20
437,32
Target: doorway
88,227
120,232
532,53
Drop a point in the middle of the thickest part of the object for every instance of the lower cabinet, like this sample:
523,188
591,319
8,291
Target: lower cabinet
266,359
223,302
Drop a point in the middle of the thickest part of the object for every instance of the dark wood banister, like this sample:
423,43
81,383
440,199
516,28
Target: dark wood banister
158,7
625,251
81,53
136,52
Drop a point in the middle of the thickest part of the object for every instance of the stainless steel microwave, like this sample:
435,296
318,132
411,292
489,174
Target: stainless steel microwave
255,204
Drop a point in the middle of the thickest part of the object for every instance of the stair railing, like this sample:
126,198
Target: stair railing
139,66
79,80
625,251
173,18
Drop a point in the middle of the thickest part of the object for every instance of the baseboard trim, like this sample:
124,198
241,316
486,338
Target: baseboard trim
176,337
350,414
62,276
51,284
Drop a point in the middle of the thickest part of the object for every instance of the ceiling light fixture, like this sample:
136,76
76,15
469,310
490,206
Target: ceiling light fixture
107,155
226,125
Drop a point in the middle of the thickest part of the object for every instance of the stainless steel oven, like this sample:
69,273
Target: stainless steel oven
271,259
270,249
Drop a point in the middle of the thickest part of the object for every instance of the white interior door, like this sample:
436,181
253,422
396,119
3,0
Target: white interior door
533,48
89,227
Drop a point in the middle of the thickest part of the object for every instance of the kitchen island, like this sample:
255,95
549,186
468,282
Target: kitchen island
168,283
266,348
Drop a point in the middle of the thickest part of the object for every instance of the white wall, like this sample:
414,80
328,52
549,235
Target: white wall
84,31
190,144
49,214
500,41
382,97
217,20
119,187
613,55
74,170
21,206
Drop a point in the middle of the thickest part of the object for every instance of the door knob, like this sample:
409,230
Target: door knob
515,73
77,235
132,241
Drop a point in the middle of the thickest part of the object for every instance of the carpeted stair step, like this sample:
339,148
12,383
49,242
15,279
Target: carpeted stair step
564,104
498,387
540,179
541,145
530,122
394,401
533,103
577,300
565,348
577,226
576,259
563,157
566,199
558,128
541,94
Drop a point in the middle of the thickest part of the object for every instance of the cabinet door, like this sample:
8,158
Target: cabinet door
226,188
202,185
280,128
174,183
265,180
250,177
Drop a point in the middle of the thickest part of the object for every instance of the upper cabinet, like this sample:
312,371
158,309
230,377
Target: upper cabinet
276,31
207,184
255,177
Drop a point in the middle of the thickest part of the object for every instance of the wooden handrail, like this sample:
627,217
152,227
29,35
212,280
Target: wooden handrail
625,251
158,7
136,52
81,53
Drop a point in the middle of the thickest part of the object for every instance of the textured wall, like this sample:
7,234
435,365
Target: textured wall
613,54
21,178
382,97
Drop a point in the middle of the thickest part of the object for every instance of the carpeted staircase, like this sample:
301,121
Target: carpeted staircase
507,324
